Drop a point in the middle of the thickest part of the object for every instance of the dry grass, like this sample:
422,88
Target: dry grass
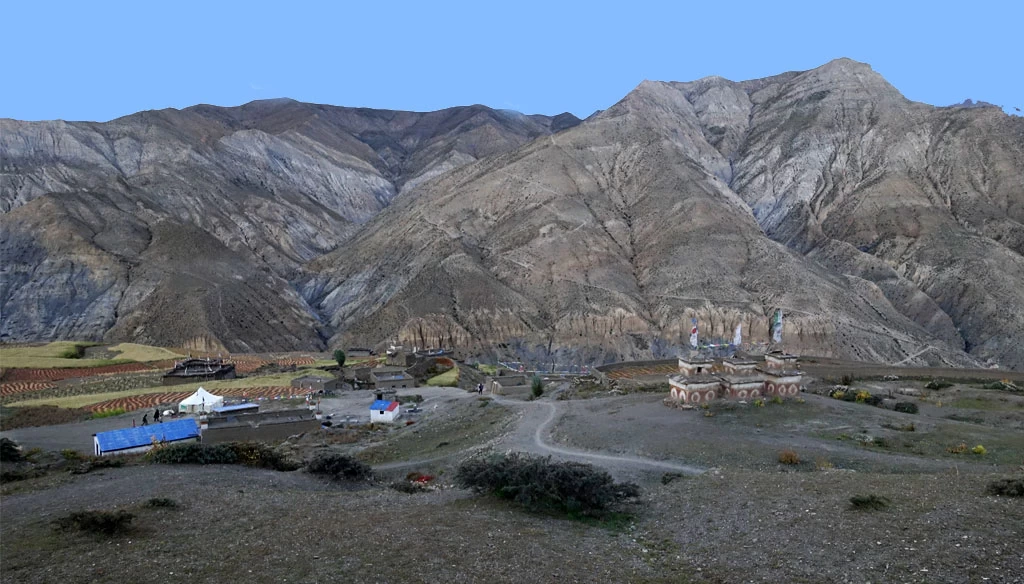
143,353
449,378
789,456
49,356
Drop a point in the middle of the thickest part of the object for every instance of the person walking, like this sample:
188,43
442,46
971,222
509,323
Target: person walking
156,415
145,419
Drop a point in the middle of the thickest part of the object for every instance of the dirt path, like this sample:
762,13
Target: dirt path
531,435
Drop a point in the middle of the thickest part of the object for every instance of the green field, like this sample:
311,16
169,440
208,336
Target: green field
81,401
143,353
55,354
449,378
487,369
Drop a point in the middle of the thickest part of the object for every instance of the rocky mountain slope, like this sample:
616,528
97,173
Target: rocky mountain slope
886,229
183,227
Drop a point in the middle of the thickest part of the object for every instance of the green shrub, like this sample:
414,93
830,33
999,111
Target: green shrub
776,400
847,380
161,502
103,522
937,384
339,467
540,484
869,502
1006,488
536,386
10,451
979,449
71,454
72,352
906,407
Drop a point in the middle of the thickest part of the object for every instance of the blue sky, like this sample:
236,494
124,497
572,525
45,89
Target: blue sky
101,60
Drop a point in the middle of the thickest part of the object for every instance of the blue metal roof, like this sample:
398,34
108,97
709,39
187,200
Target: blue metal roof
235,408
145,435
381,404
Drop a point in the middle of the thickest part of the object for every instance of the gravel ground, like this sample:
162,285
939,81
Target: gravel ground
739,516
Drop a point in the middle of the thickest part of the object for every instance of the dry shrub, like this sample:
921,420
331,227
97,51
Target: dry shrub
339,467
10,451
248,453
958,449
539,483
906,407
161,502
1006,488
101,522
823,464
789,456
869,502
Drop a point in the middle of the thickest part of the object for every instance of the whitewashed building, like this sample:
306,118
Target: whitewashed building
385,411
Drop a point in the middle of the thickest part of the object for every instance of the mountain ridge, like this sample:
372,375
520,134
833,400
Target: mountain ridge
598,240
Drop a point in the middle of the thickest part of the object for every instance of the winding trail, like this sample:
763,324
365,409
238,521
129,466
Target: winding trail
539,442
530,435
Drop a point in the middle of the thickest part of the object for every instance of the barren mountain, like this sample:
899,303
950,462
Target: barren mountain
885,229
183,227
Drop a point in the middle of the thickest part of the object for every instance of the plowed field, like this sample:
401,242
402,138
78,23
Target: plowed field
247,364
149,400
19,387
631,372
72,372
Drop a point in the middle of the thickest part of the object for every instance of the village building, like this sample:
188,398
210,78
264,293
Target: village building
694,390
742,386
235,409
317,383
509,385
780,360
193,370
782,383
273,426
385,411
694,365
143,438
702,380
391,379
737,366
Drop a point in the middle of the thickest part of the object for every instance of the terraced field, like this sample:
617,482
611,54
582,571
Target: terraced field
149,400
57,374
642,371
249,363
19,387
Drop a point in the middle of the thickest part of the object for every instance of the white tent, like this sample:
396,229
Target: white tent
200,401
